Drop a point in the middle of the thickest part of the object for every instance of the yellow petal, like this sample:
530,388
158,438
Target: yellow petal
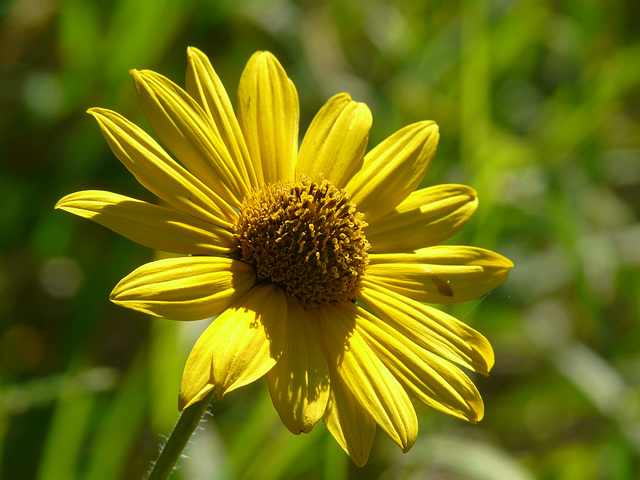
431,329
205,87
268,113
249,338
150,225
366,377
184,288
440,274
190,134
197,378
158,172
299,383
393,169
349,423
432,380
426,217
336,141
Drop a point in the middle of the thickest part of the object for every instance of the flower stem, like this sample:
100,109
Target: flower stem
178,439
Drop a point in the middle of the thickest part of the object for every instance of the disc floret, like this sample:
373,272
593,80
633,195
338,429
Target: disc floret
305,237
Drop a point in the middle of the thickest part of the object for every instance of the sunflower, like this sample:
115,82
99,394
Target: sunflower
318,261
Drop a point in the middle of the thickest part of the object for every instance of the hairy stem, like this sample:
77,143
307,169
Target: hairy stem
178,439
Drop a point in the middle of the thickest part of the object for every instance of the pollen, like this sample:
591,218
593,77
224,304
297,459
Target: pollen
305,237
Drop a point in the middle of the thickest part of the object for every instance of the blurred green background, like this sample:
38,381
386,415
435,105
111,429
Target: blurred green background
538,103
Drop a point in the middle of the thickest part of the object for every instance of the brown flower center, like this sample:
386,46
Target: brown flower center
305,237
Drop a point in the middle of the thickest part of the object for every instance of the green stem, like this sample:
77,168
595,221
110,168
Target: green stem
178,439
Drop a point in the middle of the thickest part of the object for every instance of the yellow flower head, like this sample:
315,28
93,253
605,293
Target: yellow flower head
317,261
